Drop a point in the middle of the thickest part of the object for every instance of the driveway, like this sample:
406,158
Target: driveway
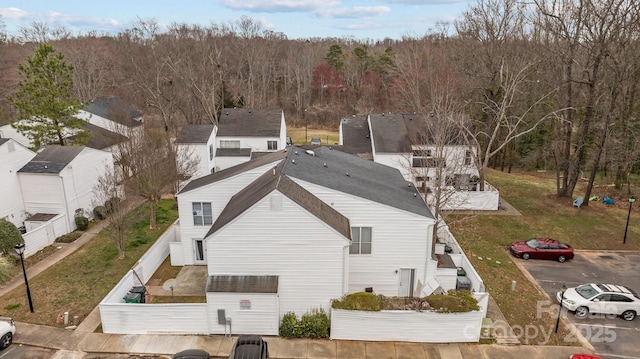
612,337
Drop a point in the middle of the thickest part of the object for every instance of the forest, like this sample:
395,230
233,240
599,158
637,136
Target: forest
547,85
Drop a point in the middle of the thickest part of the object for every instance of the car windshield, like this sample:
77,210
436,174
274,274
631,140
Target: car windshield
533,243
586,291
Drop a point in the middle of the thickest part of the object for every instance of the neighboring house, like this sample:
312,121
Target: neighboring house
59,180
405,142
198,142
291,230
243,131
13,156
7,131
112,114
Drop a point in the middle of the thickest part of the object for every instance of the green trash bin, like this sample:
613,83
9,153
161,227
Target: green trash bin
132,298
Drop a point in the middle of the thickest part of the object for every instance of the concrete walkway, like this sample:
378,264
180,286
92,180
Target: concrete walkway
84,341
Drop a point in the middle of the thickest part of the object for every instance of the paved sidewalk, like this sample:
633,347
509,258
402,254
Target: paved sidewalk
279,348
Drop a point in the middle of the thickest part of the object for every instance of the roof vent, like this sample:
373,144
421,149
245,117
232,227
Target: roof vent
415,194
45,166
293,161
309,152
347,174
295,152
249,111
324,164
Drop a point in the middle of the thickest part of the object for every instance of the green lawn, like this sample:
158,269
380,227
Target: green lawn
79,282
485,238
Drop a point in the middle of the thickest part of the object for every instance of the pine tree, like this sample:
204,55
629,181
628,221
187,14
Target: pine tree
45,102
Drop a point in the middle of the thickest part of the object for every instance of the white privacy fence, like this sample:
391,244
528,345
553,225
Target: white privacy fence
44,235
460,259
139,318
409,326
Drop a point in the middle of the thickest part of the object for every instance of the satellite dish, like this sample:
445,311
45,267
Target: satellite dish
169,284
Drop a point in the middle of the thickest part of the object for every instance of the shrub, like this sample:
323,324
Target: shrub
100,213
82,223
290,327
315,324
9,236
453,302
69,237
359,301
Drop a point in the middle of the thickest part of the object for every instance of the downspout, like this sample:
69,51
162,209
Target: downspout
64,195
427,256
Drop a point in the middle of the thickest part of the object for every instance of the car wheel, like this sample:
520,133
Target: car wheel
582,312
526,256
561,259
629,315
6,340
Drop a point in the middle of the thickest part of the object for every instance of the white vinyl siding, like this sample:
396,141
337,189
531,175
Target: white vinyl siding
218,194
262,319
307,257
12,207
401,240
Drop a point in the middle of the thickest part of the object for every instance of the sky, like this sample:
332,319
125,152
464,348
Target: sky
297,19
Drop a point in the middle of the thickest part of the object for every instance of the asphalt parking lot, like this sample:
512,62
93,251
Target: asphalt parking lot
612,337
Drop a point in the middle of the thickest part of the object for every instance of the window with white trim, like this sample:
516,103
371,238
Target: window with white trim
272,145
202,214
229,144
360,240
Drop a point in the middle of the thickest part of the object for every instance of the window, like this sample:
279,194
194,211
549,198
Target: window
467,158
428,162
202,214
211,152
361,240
422,153
272,145
620,298
229,144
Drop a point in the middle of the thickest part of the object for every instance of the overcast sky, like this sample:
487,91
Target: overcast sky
360,19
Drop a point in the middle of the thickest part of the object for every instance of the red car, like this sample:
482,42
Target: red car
584,356
542,248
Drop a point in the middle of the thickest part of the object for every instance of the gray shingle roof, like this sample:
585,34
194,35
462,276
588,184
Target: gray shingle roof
109,108
275,180
395,133
233,152
52,159
102,138
242,284
195,134
3,140
366,179
248,122
232,171
356,137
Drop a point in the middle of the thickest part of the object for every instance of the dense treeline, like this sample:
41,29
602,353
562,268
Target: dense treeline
548,85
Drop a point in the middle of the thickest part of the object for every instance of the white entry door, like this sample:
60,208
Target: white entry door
406,282
199,252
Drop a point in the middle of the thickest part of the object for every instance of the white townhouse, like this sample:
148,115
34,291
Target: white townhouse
13,156
244,132
59,180
198,142
112,114
408,142
291,230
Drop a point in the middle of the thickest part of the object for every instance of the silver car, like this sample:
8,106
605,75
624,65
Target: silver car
7,331
601,298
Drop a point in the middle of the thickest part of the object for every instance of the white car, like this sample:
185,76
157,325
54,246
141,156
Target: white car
602,299
7,330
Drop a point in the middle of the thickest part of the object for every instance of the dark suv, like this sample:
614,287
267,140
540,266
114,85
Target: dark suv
250,347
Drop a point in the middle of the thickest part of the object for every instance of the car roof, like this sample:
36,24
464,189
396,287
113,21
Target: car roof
614,288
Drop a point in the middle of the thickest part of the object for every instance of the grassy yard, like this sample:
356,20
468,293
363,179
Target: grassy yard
297,134
485,238
78,283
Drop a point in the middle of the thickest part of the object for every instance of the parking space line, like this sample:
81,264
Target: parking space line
605,326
